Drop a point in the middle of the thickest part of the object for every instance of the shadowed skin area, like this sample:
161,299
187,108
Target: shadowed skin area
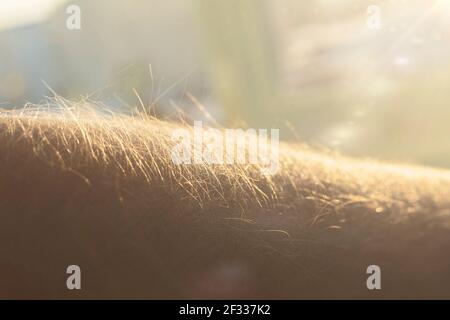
101,192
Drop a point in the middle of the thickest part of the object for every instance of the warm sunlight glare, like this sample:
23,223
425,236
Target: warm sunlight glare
15,13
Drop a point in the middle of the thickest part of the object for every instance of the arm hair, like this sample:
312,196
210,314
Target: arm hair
102,192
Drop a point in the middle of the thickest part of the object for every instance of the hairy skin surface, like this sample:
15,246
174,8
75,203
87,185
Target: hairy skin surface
101,192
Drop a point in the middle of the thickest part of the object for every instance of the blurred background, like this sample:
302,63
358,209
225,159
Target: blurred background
367,78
